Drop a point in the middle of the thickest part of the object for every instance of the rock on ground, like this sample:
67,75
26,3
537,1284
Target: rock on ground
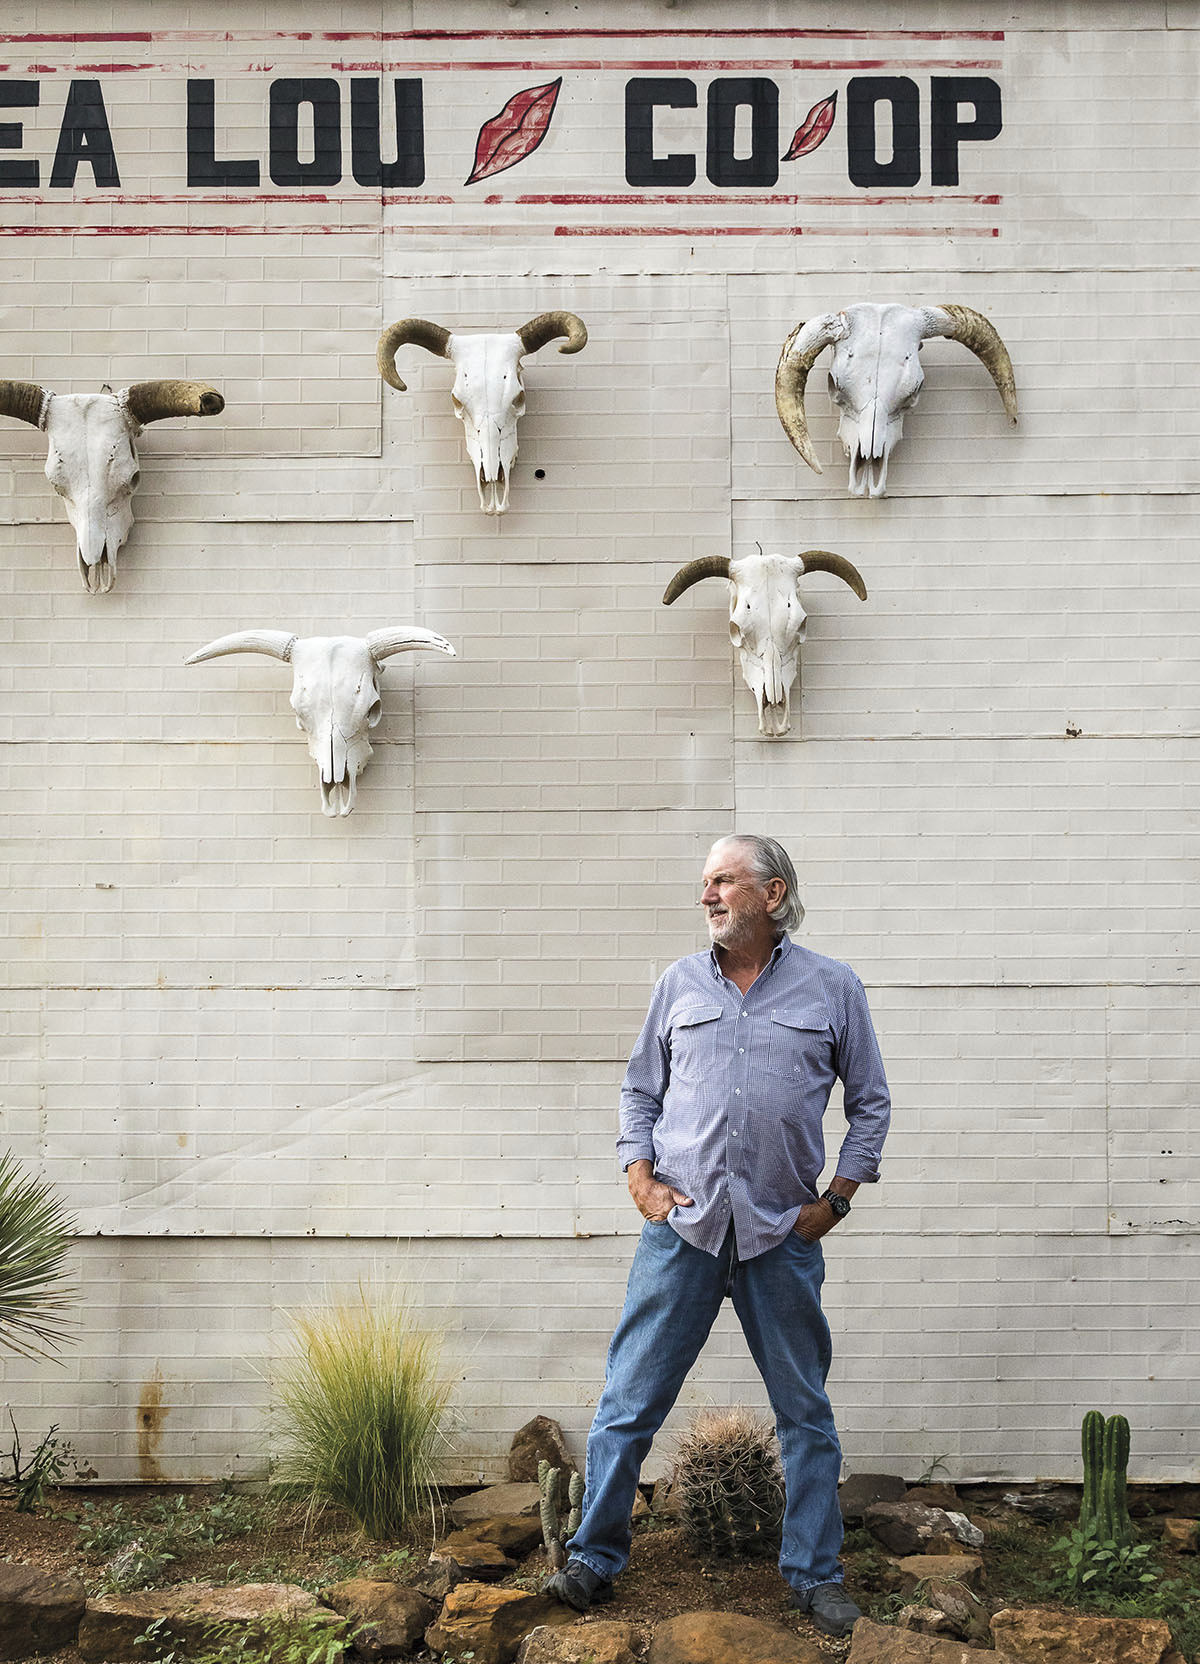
949,1568
516,1534
951,1610
111,1623
539,1440
491,1623
872,1643
390,1618
1038,1636
932,1496
493,1500
582,1643
908,1527
860,1490
1181,1535
39,1610
729,1638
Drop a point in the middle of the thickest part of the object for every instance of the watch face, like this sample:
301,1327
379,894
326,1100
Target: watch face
839,1204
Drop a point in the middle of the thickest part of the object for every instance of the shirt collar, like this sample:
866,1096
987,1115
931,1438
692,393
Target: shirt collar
778,954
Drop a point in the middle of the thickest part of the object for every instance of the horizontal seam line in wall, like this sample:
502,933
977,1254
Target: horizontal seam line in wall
210,988
586,1236
912,494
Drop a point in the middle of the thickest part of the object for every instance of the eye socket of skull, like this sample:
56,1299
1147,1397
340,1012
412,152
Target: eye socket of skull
374,712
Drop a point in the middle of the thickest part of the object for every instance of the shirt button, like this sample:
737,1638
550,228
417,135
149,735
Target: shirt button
741,1049
743,1013
737,1091
735,1132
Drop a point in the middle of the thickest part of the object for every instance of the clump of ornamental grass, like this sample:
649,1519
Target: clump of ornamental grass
729,1483
361,1400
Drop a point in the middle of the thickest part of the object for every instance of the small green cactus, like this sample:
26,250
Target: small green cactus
1105,1465
554,1534
729,1482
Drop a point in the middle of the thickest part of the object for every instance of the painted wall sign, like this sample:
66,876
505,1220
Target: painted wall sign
480,119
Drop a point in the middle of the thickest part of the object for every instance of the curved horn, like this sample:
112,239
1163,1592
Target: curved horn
398,638
278,643
820,560
153,401
800,352
981,336
22,399
421,333
547,325
708,566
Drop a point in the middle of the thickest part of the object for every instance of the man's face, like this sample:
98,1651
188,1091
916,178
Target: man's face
736,904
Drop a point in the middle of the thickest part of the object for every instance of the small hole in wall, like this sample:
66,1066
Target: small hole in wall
539,473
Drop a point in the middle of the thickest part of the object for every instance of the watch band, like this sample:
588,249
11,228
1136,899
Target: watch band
839,1204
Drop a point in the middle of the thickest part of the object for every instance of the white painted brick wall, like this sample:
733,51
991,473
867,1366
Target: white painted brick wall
263,1054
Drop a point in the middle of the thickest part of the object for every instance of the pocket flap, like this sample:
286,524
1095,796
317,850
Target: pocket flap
812,1019
690,1015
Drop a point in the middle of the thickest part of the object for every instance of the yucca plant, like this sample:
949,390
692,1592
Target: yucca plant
361,1403
35,1237
729,1482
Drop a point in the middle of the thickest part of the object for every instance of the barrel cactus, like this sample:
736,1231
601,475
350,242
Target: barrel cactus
729,1483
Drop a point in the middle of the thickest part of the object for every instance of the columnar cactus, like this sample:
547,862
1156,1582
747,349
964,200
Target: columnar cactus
1105,1464
554,1534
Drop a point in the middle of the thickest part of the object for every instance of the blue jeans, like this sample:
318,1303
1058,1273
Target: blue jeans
674,1295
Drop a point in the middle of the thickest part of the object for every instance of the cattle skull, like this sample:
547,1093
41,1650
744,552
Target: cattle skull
92,461
335,693
766,620
488,393
875,376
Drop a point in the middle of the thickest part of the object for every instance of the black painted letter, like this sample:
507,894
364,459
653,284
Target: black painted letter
203,168
17,95
946,130
642,166
725,97
366,141
84,137
863,94
325,97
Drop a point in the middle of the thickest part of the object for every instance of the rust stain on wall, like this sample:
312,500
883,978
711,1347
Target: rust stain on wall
150,1417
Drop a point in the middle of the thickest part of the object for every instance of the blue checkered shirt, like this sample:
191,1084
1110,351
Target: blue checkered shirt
725,1092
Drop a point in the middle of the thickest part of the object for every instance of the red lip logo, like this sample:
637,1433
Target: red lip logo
516,132
814,129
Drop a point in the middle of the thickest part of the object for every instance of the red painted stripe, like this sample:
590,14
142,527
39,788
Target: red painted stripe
206,199
696,232
633,199
539,65
145,36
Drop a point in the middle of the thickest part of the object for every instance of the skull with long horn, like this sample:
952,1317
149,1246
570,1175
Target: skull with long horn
875,377
335,693
767,622
92,460
488,391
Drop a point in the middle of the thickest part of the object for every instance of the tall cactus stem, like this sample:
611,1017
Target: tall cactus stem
1116,1464
575,1496
548,1505
1092,1438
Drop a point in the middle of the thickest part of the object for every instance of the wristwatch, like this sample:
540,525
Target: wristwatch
839,1204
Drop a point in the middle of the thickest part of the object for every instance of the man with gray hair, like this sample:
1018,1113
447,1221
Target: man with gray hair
722,1144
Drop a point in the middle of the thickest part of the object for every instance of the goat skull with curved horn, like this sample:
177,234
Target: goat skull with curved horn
92,461
335,693
488,392
875,376
766,620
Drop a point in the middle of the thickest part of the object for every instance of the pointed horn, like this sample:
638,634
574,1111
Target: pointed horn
981,336
22,399
708,566
399,638
278,643
800,353
421,333
547,325
820,560
154,401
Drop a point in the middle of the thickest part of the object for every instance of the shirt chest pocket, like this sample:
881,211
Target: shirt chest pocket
799,1045
694,1040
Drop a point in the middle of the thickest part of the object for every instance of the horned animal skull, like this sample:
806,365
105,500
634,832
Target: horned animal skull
92,461
335,693
875,376
766,620
488,392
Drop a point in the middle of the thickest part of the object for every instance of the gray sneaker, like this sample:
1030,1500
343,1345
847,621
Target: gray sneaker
830,1608
579,1586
